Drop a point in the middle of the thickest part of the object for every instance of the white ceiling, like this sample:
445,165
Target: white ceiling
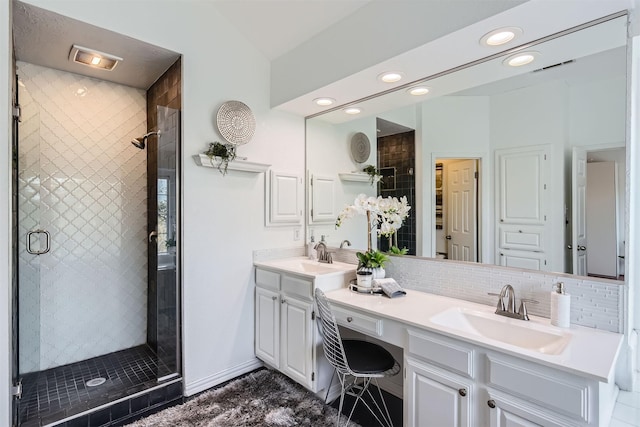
45,38
277,26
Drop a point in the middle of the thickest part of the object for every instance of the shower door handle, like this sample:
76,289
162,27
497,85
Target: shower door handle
153,236
47,246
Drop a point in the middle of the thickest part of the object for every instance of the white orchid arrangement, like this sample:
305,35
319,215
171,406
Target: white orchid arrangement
385,214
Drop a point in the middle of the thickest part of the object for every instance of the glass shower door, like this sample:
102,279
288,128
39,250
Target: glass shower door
167,247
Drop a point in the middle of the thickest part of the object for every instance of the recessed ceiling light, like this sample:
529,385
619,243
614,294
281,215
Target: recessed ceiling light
324,102
500,36
521,58
352,110
390,77
93,58
418,90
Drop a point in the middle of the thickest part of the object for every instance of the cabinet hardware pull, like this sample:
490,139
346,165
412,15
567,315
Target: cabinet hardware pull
349,319
283,301
462,392
274,298
491,403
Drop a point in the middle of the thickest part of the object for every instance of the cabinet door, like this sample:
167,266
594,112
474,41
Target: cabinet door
503,418
435,397
505,411
267,326
522,190
296,340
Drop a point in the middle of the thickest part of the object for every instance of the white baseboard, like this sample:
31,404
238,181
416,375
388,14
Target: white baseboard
220,377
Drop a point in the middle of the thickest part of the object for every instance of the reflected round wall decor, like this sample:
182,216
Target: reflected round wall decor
360,147
236,122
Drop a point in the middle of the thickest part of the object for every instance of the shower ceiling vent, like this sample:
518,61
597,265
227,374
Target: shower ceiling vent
93,58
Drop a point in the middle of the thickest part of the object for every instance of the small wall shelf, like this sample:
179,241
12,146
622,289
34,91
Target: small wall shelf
355,176
234,165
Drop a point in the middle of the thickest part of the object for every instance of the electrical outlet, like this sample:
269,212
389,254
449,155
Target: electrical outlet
296,234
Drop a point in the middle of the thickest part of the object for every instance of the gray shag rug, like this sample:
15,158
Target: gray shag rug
262,398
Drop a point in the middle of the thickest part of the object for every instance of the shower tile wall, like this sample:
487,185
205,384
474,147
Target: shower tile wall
398,151
82,181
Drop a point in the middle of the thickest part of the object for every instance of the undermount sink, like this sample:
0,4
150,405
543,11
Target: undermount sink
303,265
515,332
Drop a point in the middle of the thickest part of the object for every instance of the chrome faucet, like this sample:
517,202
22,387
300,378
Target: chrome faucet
323,254
509,310
345,242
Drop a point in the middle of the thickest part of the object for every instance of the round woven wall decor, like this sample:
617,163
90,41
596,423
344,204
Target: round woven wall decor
236,122
360,147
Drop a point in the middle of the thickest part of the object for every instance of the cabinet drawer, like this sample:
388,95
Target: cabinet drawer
267,279
295,286
523,237
453,357
358,322
546,388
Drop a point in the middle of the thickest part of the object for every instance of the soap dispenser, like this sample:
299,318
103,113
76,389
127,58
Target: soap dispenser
311,251
560,306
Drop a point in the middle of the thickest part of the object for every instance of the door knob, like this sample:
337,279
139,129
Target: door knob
448,237
153,236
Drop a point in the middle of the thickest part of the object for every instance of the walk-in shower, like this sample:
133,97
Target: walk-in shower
97,300
142,142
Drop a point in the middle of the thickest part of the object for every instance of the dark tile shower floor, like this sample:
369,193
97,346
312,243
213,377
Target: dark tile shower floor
61,392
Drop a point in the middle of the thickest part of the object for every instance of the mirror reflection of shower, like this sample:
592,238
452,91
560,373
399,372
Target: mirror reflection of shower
141,143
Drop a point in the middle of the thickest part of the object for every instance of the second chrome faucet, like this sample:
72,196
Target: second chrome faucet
509,309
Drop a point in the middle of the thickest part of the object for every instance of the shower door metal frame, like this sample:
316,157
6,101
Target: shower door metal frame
15,359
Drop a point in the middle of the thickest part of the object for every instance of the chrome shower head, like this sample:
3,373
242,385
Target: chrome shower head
141,143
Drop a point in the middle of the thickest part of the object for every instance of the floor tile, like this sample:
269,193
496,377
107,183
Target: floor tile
626,413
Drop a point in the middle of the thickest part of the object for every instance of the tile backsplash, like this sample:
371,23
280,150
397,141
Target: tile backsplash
594,303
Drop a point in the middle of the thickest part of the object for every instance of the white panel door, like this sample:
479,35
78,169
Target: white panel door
579,211
462,212
435,398
296,336
602,258
267,326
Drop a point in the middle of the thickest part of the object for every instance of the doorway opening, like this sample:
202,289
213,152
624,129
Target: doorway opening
456,190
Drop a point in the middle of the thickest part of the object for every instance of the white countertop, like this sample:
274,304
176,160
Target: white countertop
589,353
303,266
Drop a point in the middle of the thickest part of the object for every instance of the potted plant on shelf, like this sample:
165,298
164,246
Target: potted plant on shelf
221,154
374,174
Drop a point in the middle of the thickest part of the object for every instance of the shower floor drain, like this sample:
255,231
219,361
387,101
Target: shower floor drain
95,382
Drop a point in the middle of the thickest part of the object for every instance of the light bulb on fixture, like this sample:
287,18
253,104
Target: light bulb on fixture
95,60
324,102
521,58
390,77
500,36
418,90
352,110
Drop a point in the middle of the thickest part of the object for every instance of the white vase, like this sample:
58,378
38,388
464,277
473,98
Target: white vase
378,272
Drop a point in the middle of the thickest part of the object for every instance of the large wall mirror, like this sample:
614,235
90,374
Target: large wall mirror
517,166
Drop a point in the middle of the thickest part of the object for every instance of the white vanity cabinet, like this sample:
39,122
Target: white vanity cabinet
453,383
286,335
